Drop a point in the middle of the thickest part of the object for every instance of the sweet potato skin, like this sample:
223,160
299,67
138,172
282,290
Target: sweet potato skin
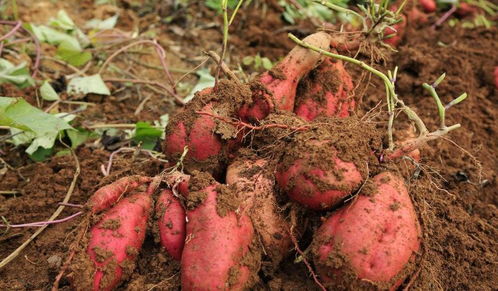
323,98
116,240
215,246
107,195
280,84
171,221
311,184
372,239
254,185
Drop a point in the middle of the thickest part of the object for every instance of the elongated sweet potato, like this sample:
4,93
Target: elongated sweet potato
276,89
325,91
254,184
116,240
370,241
217,242
171,221
107,195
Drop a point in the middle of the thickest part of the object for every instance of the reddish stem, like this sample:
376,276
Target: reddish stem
35,40
43,223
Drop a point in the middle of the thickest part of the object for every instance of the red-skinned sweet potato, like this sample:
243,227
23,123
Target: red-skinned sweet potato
254,184
428,6
217,242
318,181
116,240
276,89
465,9
370,241
106,196
394,35
325,91
171,221
495,73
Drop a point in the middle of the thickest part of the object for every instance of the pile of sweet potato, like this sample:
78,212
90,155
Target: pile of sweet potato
263,158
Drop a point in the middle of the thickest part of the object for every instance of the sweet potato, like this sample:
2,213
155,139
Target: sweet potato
107,195
276,89
428,6
254,183
318,180
465,9
370,241
116,240
325,91
171,221
217,242
394,35
495,73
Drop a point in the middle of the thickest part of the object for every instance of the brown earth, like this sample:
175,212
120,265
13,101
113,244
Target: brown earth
454,187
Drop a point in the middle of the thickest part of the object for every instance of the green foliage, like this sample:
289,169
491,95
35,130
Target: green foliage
216,4
69,39
310,9
257,62
47,92
15,74
146,134
30,125
205,80
88,84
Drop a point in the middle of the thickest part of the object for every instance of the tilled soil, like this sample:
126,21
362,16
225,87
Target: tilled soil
454,187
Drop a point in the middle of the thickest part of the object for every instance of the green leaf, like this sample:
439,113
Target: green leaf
79,136
98,24
90,84
247,60
55,37
62,21
77,58
47,92
267,64
41,154
15,74
205,80
147,134
38,127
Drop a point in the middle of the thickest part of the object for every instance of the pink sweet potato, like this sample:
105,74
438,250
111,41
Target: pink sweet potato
325,91
171,221
217,241
428,6
394,35
254,184
276,89
116,240
318,181
495,73
370,241
106,196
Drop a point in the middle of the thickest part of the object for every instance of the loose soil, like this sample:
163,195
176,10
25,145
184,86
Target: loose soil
454,187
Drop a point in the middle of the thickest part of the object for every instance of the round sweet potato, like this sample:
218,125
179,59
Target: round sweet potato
370,241
319,179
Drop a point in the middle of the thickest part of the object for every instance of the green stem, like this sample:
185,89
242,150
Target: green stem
235,12
224,5
440,106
